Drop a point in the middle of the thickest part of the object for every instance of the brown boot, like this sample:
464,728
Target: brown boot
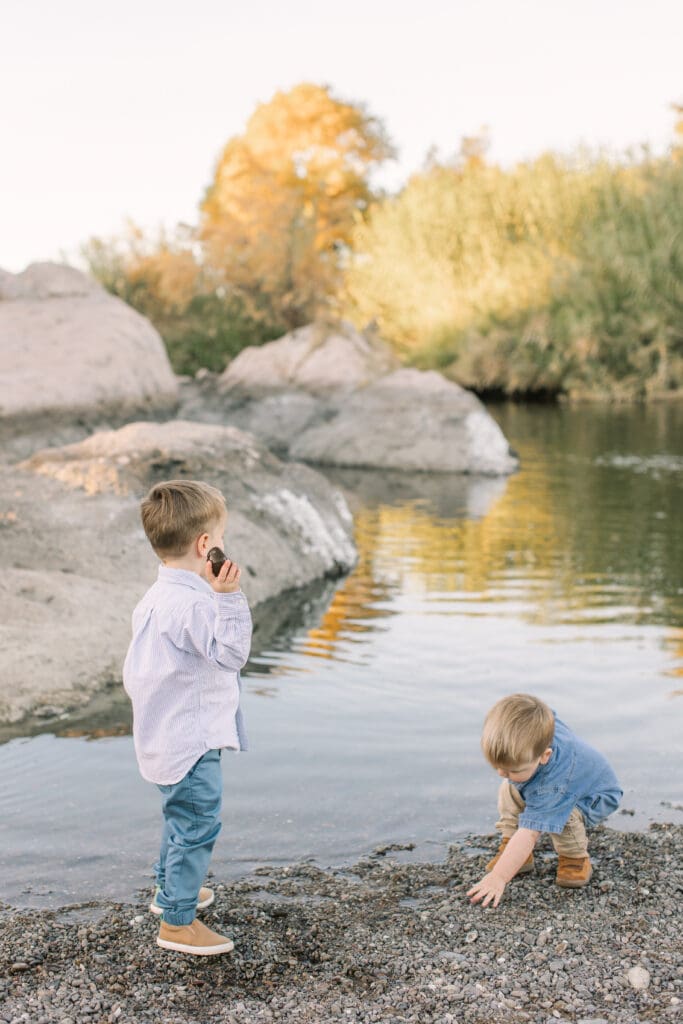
193,938
526,867
573,872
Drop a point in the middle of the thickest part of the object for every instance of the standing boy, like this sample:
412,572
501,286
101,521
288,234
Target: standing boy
552,782
191,636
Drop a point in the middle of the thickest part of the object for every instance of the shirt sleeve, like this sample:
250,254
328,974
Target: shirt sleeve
548,812
218,630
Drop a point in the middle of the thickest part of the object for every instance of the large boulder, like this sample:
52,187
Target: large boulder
331,396
287,522
69,349
409,420
77,561
318,358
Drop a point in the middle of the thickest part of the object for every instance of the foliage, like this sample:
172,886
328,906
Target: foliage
275,228
202,323
556,275
279,214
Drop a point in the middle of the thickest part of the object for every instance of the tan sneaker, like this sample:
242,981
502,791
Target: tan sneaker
193,938
526,867
204,900
573,872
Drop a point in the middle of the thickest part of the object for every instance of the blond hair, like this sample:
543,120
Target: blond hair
517,730
175,512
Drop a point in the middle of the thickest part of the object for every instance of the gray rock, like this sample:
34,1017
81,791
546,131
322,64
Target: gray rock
70,349
278,420
319,358
409,420
46,281
334,397
638,977
287,527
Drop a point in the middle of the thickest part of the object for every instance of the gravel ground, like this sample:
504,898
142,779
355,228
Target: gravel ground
385,940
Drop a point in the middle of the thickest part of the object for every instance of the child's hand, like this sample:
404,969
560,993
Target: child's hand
228,579
490,888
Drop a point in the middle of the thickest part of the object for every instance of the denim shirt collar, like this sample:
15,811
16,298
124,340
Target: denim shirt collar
185,578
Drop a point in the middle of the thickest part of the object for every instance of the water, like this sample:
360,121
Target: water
364,704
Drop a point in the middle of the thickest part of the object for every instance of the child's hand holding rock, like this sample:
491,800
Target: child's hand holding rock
227,579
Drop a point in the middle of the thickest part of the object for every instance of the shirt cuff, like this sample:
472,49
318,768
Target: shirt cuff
232,603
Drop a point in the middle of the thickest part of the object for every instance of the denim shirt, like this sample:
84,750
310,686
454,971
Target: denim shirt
576,775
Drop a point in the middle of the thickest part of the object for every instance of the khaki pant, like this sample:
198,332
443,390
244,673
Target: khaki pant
571,842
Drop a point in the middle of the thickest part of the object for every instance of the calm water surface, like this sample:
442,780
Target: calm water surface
364,703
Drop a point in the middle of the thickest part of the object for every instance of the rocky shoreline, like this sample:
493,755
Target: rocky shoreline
91,415
384,940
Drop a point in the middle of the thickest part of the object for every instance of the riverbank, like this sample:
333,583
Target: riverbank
381,941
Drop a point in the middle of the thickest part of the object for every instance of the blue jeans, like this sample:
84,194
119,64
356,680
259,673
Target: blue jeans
192,821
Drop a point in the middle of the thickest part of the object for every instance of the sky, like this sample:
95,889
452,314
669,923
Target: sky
119,111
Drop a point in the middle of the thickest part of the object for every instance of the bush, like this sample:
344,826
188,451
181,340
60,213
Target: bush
554,276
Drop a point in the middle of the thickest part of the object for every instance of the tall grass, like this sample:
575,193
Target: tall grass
557,275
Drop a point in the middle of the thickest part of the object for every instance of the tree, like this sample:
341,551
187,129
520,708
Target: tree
279,214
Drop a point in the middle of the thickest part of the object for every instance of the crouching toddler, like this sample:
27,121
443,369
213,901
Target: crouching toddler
552,782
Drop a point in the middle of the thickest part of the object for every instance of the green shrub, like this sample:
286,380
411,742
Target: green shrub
555,276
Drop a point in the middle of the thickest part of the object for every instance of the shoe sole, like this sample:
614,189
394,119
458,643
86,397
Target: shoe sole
154,908
180,947
568,884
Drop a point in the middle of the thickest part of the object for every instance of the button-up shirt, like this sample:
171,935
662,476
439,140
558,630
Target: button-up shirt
576,775
182,673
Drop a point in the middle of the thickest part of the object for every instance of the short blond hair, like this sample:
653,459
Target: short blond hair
517,730
175,512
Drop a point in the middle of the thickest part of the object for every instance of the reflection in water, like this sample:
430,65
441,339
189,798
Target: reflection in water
673,642
583,535
364,699
403,529
588,534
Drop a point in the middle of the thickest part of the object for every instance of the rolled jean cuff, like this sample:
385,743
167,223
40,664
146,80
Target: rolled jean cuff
178,917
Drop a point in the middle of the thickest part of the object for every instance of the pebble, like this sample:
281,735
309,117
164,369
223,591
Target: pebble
349,949
639,977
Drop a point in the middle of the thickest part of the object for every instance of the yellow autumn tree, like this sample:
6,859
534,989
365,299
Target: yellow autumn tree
278,217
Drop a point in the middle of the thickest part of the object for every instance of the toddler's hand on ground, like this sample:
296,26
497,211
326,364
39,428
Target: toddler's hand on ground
490,888
228,579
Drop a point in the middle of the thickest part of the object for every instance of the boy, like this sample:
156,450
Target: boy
552,782
191,636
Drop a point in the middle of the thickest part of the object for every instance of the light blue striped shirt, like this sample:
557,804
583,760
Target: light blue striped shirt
182,673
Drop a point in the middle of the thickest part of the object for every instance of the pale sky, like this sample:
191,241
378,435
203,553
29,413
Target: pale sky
119,110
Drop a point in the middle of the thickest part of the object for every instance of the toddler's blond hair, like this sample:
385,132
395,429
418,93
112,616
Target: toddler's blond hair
517,730
175,512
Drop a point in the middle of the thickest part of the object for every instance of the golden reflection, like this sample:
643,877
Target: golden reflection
406,548
357,604
549,545
83,732
674,643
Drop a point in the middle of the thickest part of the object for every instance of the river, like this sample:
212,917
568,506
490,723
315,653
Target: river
364,699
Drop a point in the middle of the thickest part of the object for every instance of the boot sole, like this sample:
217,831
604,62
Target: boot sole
181,947
154,908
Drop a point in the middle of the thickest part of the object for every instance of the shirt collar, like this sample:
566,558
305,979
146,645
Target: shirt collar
185,578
